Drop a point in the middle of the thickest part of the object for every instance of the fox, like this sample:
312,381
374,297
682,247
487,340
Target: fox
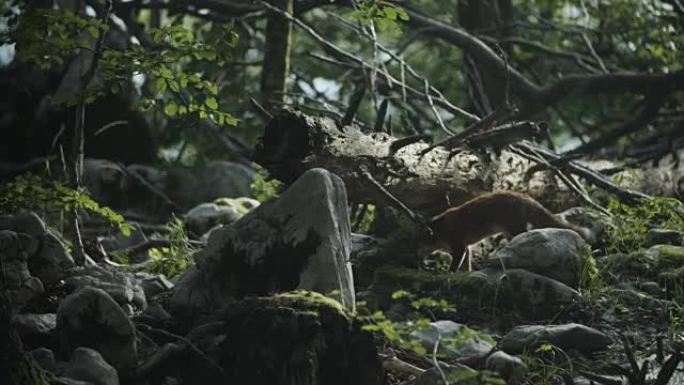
500,211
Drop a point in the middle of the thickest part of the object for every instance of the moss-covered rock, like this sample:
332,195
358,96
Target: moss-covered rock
292,338
666,256
531,294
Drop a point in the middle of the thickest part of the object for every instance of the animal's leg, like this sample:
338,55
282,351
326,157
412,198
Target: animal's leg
457,249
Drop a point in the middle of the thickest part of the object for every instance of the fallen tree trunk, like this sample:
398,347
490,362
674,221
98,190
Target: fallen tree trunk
294,142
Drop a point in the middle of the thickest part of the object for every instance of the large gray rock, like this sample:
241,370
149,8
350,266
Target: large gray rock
46,359
204,216
663,237
88,365
34,324
153,284
568,336
555,253
18,283
46,252
301,240
90,317
455,340
123,287
226,179
532,294
509,367
105,180
53,261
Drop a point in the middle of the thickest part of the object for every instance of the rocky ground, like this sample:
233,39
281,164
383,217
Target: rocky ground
229,295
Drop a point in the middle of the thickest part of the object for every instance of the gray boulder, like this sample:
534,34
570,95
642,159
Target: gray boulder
533,295
663,237
567,336
555,253
122,286
226,179
153,284
509,367
90,317
299,241
204,216
46,359
89,366
34,324
455,340
19,285
105,180
45,251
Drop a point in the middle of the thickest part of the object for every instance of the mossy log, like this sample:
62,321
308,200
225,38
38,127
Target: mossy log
294,142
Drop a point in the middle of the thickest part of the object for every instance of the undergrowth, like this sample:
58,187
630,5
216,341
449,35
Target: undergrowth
30,192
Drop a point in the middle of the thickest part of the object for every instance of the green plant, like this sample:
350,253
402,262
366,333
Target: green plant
631,223
547,364
177,257
49,37
398,332
263,189
383,14
30,192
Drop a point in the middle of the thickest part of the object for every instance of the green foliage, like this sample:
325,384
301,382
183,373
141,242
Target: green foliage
590,278
48,38
32,193
365,223
547,364
397,332
631,223
263,189
177,92
383,14
176,258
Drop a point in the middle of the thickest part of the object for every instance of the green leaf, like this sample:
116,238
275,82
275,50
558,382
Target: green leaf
160,85
93,31
211,103
171,108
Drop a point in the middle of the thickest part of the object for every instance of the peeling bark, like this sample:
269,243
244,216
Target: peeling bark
294,142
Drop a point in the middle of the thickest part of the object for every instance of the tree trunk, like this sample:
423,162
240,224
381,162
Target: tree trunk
276,67
293,143
486,17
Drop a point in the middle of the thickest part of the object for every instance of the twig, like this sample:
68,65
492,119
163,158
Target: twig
189,344
149,186
393,200
353,107
625,195
501,114
261,111
398,144
436,363
110,125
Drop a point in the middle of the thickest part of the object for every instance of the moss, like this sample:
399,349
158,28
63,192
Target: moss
295,337
668,256
23,371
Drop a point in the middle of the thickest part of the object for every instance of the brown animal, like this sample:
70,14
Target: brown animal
499,211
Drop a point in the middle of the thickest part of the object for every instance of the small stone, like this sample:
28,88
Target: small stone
567,336
88,365
45,358
663,237
509,367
